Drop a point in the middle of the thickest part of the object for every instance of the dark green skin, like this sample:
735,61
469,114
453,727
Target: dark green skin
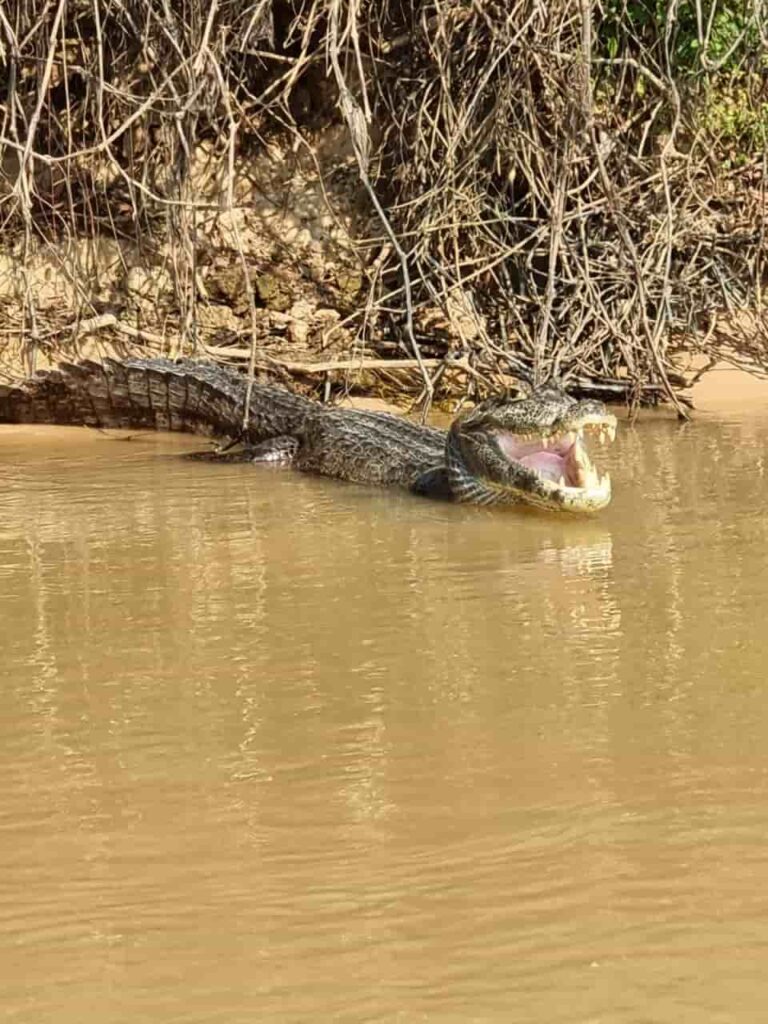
462,464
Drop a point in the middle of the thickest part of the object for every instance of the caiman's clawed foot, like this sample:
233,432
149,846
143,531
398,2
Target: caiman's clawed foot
278,451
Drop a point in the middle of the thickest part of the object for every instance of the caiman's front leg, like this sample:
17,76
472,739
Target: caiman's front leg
433,483
279,451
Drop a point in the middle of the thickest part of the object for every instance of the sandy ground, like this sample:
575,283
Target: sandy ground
725,389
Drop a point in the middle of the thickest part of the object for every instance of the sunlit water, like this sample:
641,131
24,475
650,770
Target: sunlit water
275,748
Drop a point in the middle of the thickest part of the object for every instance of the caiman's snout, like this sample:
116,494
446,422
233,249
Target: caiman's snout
534,450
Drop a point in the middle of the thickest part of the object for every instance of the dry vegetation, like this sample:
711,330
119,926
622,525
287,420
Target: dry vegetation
448,194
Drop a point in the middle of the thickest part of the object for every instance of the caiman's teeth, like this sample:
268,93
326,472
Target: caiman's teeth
586,480
602,432
580,456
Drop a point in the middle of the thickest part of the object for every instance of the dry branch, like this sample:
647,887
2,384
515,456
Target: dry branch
533,202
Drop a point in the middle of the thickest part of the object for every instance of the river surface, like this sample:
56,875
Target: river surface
280,749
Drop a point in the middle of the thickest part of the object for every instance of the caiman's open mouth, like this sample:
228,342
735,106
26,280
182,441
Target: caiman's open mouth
561,460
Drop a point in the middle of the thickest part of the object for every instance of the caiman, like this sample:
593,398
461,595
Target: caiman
505,451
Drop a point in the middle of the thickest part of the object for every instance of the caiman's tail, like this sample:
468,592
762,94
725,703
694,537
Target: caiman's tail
156,394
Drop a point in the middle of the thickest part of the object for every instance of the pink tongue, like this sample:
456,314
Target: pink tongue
549,464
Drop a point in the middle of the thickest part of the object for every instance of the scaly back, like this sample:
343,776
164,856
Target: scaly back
157,394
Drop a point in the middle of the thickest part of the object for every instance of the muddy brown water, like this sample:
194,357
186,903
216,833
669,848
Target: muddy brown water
275,748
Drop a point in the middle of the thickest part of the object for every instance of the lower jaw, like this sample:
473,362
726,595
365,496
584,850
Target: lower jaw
582,503
589,501
480,491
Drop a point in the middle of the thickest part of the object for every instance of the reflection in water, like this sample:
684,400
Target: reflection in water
274,748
